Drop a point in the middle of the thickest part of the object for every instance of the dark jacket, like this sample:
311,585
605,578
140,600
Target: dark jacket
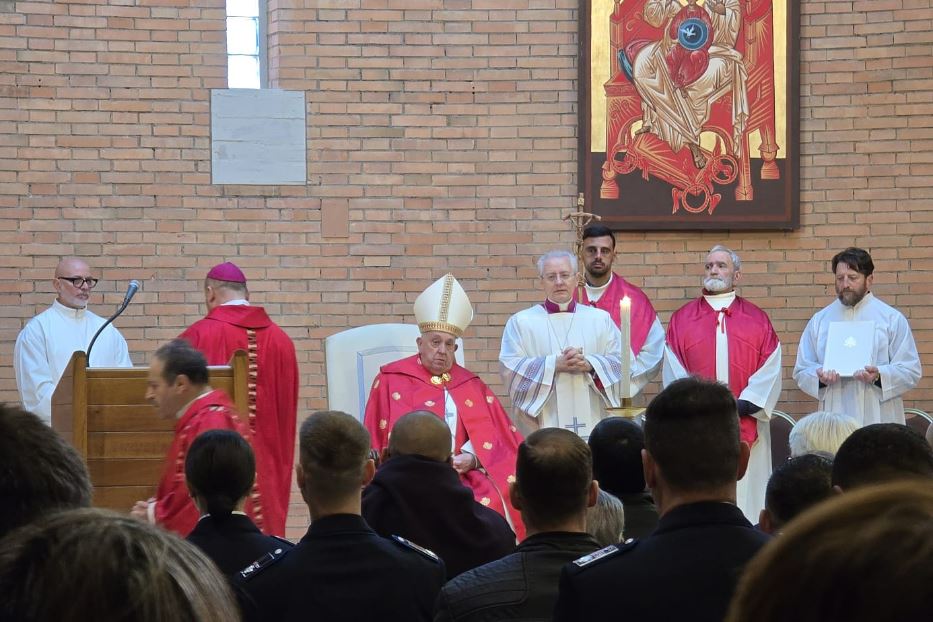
342,571
641,515
424,501
520,586
686,570
234,542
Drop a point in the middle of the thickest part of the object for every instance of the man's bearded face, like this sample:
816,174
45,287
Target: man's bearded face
598,254
720,273
851,285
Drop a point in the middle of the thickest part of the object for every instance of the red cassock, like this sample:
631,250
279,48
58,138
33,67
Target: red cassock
405,386
174,509
643,313
273,393
691,336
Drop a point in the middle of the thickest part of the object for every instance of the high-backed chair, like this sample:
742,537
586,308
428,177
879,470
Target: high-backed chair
353,358
781,425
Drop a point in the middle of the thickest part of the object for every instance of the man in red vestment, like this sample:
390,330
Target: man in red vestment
722,336
484,441
178,388
605,289
233,324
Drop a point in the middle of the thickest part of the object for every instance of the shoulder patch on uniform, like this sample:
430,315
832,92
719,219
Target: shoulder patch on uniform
411,545
263,563
602,554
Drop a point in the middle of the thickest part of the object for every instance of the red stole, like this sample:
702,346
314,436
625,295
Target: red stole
643,313
691,336
273,393
405,386
174,508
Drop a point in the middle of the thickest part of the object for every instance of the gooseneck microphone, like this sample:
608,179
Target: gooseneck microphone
130,292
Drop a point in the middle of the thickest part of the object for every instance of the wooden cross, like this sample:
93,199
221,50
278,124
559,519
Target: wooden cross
579,220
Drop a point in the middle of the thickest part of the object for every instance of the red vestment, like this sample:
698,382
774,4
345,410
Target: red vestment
643,313
273,393
405,386
691,336
174,508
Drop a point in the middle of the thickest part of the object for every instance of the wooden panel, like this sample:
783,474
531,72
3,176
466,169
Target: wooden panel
127,418
128,385
128,444
121,498
125,472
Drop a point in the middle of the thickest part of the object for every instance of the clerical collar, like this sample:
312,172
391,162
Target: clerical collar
555,307
239,302
719,301
69,312
184,409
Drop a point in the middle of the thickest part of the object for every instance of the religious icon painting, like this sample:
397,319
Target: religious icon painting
689,113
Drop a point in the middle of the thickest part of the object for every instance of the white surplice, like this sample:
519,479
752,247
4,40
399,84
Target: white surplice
894,354
542,397
763,389
44,348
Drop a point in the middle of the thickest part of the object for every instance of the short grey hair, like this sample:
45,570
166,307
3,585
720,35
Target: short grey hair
820,431
561,254
605,521
736,262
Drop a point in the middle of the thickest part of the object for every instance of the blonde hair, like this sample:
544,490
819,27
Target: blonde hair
820,431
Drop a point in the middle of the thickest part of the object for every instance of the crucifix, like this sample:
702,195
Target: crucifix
579,220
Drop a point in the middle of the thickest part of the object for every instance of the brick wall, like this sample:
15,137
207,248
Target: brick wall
444,138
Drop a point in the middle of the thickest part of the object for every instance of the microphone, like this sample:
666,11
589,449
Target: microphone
130,292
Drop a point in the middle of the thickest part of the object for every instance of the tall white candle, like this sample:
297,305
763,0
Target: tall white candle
625,325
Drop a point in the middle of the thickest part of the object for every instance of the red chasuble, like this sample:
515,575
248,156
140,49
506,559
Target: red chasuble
691,336
405,386
643,313
174,509
273,393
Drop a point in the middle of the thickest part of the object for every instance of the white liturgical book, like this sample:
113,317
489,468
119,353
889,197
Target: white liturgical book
849,347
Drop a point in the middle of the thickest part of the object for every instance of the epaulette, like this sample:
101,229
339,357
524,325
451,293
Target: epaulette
420,549
606,553
263,563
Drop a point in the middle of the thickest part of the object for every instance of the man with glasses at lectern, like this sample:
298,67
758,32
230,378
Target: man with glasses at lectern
45,345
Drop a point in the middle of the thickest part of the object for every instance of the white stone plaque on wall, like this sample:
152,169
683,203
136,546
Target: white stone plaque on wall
258,137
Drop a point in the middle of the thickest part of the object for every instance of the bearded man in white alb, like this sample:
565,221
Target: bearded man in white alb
560,361
45,345
872,394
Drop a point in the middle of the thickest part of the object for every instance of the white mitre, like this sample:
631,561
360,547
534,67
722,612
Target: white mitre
444,307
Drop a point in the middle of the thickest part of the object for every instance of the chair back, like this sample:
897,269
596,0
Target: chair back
781,425
353,358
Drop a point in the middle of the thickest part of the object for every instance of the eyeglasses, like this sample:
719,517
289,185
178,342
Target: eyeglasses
79,281
553,277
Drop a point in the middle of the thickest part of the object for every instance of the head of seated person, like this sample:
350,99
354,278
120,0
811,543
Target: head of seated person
877,540
881,452
40,473
820,431
616,444
84,563
553,481
692,448
799,483
605,521
420,433
334,463
220,470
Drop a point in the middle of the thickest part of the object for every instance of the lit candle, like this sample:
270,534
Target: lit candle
625,325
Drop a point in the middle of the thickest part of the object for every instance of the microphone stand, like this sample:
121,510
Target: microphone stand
123,305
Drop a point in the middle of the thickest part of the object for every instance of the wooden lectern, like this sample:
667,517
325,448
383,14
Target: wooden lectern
103,412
